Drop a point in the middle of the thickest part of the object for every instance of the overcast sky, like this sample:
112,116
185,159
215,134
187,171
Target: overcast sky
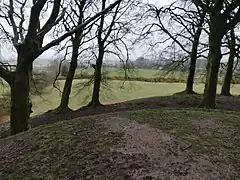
7,53
135,54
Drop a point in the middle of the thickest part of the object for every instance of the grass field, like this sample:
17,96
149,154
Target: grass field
111,92
111,72
148,75
140,74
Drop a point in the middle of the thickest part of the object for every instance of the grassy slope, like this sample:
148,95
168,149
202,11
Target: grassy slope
213,133
4,100
61,151
81,148
112,92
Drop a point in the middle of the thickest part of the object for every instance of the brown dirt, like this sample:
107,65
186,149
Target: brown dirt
165,157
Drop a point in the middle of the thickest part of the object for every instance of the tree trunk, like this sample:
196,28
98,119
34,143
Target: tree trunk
194,53
68,86
70,76
20,105
97,80
191,73
214,58
31,78
228,77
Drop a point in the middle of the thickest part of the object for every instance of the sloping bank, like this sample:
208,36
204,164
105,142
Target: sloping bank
145,144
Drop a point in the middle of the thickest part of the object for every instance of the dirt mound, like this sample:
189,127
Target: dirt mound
165,156
104,147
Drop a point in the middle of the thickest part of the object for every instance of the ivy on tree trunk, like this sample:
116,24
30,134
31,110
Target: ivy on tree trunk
192,68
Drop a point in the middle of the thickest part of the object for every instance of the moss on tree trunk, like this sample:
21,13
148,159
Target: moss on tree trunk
228,77
214,58
20,104
70,76
193,56
67,87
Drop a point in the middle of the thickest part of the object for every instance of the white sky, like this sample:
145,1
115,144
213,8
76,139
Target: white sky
51,53
7,53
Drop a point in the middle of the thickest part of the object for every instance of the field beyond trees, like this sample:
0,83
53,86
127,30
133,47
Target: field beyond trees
112,91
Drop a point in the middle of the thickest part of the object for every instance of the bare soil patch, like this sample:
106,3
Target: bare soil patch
167,157
107,147
211,137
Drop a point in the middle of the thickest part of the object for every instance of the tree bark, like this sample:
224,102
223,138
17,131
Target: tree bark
214,58
70,76
228,77
191,73
97,80
20,104
193,56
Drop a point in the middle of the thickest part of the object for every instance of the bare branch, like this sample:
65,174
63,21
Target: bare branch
13,23
61,38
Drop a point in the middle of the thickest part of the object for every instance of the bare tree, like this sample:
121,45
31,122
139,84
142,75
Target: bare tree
75,17
110,38
229,73
183,24
28,48
223,16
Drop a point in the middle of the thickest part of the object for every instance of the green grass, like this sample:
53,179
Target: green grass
4,87
214,133
4,99
66,150
145,74
112,92
112,72
82,148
